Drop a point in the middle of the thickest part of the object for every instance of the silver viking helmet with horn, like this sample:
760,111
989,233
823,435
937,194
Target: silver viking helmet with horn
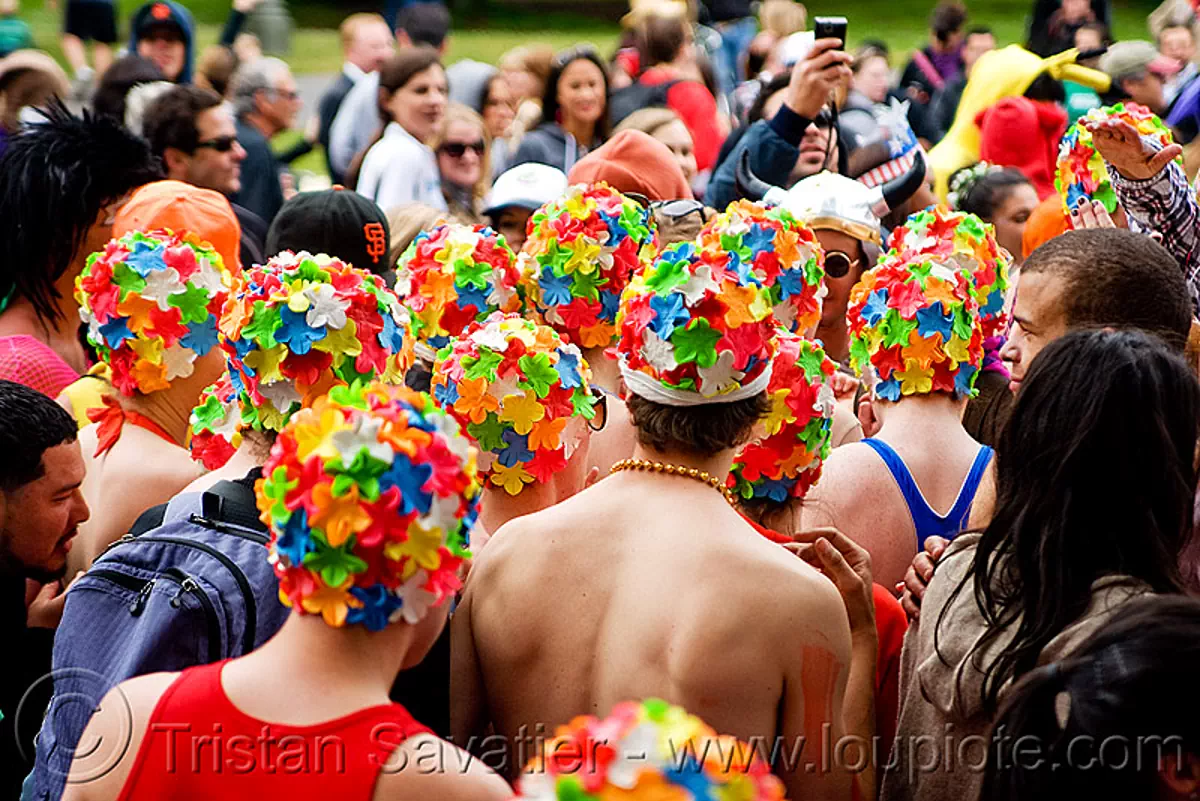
832,201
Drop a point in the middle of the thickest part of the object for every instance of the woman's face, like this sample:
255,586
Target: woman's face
500,109
1010,218
678,139
581,92
460,157
419,104
873,79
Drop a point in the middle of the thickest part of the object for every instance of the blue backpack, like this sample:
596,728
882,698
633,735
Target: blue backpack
189,585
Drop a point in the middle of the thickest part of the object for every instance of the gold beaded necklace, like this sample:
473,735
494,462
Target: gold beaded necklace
703,476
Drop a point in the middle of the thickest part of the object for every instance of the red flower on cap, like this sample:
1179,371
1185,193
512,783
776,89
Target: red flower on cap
160,11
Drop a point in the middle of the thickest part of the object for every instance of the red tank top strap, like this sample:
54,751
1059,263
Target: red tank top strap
111,419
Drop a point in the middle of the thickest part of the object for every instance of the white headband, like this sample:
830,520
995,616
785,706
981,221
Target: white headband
652,390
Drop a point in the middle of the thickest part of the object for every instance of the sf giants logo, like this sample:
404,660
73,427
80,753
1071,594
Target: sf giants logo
376,241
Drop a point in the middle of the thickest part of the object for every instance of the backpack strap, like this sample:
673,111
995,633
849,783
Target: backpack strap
224,505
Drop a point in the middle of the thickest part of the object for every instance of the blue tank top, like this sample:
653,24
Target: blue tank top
927,522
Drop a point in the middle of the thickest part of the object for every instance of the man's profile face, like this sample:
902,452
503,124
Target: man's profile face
43,515
211,166
976,45
373,44
1038,319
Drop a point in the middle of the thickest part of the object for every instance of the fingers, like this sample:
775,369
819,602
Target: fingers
923,568
843,386
1165,157
936,546
829,47
1100,216
911,609
75,578
48,592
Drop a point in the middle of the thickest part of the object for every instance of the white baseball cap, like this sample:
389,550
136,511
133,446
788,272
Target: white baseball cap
527,186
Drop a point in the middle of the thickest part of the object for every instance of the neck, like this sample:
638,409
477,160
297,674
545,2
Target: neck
260,123
606,374
350,661
499,507
170,408
919,414
583,132
717,465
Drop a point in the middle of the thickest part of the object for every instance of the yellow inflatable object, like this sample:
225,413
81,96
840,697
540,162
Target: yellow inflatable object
997,74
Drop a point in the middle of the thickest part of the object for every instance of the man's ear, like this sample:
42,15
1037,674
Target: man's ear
176,162
402,38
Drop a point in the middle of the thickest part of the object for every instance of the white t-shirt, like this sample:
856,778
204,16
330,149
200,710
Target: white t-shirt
398,169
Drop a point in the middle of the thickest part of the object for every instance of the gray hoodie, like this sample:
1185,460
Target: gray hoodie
549,144
941,744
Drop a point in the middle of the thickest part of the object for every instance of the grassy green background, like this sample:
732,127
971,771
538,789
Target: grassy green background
315,46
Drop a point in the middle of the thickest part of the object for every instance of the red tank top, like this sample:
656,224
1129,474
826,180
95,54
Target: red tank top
199,746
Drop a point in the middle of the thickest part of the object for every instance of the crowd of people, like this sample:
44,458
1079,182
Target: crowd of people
726,416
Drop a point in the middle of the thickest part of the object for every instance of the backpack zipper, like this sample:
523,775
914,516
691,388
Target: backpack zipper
141,586
187,584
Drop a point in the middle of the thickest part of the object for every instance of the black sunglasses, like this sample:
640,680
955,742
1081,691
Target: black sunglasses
457,150
824,119
600,418
676,210
222,144
838,264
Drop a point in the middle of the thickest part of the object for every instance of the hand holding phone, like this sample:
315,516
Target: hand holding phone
831,28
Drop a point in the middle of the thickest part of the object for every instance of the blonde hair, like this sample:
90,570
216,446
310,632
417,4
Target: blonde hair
352,24
457,112
535,59
783,17
9,7
648,120
406,221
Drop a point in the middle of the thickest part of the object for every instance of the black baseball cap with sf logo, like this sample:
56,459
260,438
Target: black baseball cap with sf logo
336,222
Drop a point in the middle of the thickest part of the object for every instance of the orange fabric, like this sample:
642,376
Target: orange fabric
183,207
1046,222
111,419
633,161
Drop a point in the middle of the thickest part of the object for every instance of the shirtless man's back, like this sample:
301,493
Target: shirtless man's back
648,585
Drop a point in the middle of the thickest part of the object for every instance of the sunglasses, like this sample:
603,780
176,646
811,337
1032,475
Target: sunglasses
222,144
456,150
676,210
601,408
823,120
838,264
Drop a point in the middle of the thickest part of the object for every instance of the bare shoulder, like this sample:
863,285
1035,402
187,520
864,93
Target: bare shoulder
850,471
118,726
428,767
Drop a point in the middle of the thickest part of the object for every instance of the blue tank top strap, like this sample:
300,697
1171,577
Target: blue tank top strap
927,522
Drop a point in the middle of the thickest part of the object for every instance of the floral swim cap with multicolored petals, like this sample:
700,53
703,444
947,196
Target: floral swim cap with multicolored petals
302,324
216,425
521,393
696,329
962,239
1080,173
581,252
646,751
150,301
370,495
770,247
787,459
453,276
917,324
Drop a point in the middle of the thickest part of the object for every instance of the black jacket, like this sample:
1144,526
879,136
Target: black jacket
30,650
327,109
260,192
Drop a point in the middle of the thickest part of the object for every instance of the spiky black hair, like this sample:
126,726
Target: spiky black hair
55,177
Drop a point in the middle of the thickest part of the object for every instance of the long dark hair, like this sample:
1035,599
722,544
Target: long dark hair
1130,683
561,61
984,195
57,176
1094,477
400,69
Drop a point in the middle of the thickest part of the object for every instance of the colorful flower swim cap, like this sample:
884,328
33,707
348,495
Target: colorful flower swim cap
917,324
302,324
787,460
515,387
696,328
778,252
453,276
1081,173
216,425
962,239
370,495
581,253
151,302
646,751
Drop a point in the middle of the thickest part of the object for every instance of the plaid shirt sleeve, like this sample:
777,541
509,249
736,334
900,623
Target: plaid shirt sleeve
1165,203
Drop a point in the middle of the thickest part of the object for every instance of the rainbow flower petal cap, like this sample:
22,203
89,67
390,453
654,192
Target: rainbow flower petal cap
370,495
776,251
150,301
300,325
215,426
696,328
646,751
956,237
787,459
581,253
916,323
453,276
1081,174
521,393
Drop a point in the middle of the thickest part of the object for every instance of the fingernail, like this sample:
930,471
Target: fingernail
1074,212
